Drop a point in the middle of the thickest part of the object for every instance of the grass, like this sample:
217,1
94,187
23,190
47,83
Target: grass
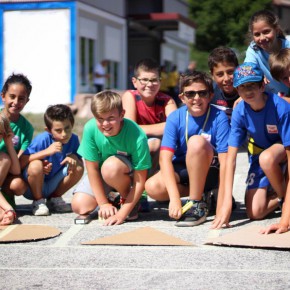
38,124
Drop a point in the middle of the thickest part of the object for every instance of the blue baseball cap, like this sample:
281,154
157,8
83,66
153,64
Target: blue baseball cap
248,72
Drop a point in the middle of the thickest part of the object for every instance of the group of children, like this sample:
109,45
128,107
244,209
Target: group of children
143,144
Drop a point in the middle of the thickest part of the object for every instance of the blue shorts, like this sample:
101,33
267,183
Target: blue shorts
85,187
212,179
256,177
49,186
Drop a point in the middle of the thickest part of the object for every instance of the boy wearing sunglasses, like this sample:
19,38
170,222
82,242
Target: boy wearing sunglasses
193,152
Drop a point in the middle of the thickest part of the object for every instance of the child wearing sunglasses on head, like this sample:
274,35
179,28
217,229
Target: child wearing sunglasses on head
193,152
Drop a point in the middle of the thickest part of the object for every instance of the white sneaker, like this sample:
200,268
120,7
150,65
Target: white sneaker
39,207
57,204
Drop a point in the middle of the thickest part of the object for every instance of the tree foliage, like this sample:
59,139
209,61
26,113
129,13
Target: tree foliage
223,22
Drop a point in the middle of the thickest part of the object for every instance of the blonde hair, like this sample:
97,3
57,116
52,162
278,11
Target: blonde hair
5,128
106,101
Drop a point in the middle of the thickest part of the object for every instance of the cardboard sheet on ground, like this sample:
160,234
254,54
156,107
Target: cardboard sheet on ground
250,237
27,233
145,236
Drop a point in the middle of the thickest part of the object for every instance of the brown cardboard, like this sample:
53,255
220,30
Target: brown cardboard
250,237
145,236
26,233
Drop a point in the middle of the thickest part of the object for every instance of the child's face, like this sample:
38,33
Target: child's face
251,93
110,123
264,35
223,74
285,79
197,105
61,131
15,99
146,88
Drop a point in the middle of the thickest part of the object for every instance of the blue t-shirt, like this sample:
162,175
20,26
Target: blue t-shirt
216,131
223,101
261,57
267,127
43,141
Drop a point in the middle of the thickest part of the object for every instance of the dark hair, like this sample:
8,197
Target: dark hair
279,63
222,54
17,79
187,79
270,18
58,112
146,64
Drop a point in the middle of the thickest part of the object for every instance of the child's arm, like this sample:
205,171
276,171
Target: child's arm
55,147
284,223
133,197
129,105
167,171
15,165
106,208
224,203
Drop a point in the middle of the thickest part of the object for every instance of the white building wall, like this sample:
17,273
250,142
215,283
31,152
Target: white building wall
41,52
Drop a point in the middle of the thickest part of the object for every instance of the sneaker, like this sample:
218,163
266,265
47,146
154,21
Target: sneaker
144,204
39,207
57,204
194,216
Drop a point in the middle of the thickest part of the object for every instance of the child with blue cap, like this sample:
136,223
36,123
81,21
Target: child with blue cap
265,118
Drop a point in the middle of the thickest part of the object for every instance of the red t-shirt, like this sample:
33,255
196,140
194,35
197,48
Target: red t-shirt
151,115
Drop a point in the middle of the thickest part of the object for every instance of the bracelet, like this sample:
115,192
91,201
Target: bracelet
13,211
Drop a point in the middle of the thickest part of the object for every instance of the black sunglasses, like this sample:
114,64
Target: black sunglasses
192,94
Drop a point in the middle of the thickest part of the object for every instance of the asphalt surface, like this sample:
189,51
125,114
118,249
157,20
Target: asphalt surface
64,263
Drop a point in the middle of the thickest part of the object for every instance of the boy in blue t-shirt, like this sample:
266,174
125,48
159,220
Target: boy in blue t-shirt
52,165
266,118
193,152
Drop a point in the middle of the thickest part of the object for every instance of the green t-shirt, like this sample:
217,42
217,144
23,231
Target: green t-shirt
23,133
131,142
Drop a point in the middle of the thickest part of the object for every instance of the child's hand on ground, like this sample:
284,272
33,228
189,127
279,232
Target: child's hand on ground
277,228
8,217
175,209
107,210
55,147
222,217
114,220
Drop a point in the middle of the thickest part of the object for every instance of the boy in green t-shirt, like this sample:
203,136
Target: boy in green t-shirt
117,157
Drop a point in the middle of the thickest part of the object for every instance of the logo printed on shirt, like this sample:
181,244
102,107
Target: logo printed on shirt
15,140
122,153
272,129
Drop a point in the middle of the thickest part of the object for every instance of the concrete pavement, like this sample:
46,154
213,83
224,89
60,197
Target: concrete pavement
63,263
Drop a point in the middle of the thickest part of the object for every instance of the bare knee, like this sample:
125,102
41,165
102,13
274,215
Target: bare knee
266,160
198,145
156,189
112,168
18,186
35,168
83,203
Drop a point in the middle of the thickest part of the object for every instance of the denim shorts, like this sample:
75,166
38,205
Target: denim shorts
49,186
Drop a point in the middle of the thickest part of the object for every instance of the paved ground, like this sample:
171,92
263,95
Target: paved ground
63,263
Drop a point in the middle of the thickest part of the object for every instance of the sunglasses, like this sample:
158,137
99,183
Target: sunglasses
191,94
